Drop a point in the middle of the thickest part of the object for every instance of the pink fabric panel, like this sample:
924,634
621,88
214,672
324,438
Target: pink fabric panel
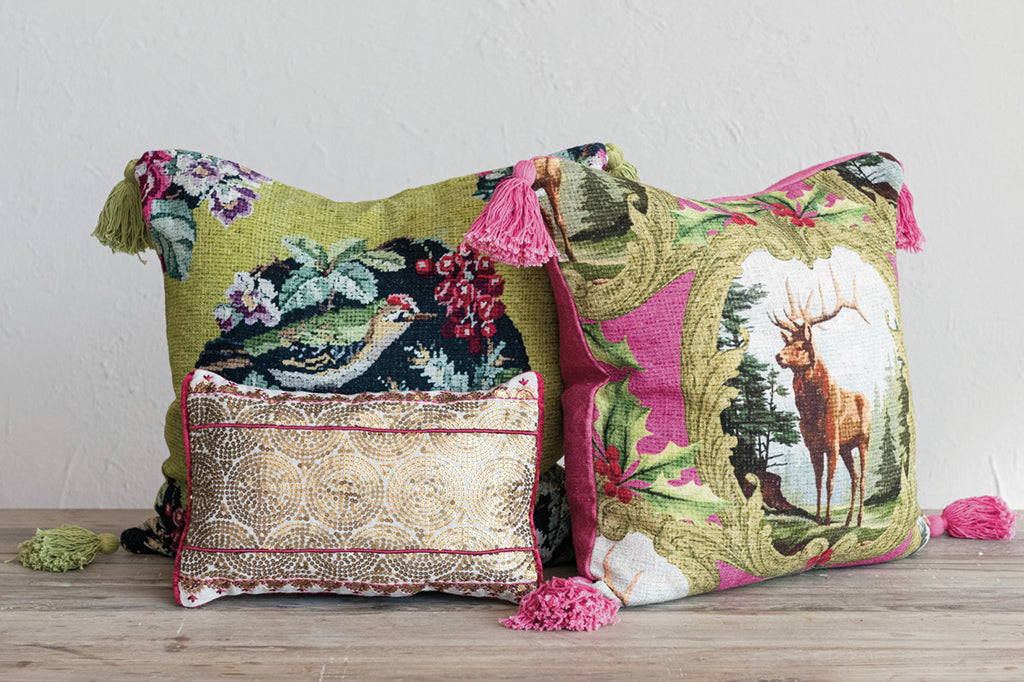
730,576
654,331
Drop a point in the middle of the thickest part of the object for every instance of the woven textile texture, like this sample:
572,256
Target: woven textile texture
275,287
736,385
373,493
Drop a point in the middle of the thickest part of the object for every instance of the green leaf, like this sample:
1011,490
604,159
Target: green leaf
690,502
353,281
345,250
174,234
304,287
306,251
615,354
382,261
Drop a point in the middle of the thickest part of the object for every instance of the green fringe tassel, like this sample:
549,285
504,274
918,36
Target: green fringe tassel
617,164
120,225
64,549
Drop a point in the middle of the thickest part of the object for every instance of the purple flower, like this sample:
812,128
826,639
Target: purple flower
228,202
196,175
253,297
226,317
247,175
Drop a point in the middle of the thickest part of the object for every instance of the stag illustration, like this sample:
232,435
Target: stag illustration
833,420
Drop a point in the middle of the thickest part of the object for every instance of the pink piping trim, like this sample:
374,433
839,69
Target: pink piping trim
430,584
881,559
536,475
360,402
802,175
302,427
584,374
259,550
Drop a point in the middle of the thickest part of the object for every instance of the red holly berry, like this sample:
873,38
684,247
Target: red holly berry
424,267
625,495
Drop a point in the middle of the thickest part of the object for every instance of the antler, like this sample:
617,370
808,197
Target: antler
797,316
840,303
792,315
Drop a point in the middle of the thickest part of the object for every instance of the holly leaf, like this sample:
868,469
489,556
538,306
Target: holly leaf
306,251
687,502
382,261
615,354
668,463
174,234
345,250
621,419
692,226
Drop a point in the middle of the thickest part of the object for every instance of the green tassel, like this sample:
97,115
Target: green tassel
64,549
120,225
617,164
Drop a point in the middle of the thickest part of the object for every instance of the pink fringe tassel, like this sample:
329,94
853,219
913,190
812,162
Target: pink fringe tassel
980,518
908,234
511,228
562,604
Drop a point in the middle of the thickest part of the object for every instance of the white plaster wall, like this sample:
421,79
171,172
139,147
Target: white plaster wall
358,100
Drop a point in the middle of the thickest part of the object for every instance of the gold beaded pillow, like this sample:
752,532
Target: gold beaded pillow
372,494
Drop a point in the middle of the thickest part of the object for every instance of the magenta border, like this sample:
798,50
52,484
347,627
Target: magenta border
301,427
334,398
185,386
583,376
355,550
795,177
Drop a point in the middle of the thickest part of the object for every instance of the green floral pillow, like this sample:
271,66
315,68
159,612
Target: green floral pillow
736,386
278,288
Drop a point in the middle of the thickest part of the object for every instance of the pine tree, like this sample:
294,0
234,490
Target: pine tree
753,417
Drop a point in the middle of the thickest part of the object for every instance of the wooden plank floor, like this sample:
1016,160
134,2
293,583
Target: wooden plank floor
954,611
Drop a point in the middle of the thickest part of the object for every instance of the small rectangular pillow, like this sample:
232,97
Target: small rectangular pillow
737,401
270,285
371,494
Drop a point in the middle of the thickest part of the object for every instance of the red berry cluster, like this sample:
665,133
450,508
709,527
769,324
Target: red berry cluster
469,292
784,211
611,469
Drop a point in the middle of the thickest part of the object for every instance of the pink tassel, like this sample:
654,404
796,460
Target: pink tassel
562,604
511,227
980,518
908,234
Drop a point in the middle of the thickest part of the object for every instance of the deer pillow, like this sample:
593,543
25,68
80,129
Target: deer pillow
736,387
278,288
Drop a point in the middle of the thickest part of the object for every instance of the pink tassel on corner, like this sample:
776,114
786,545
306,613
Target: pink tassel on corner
908,234
979,518
562,604
511,228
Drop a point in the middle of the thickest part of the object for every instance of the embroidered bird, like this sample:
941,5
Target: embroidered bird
316,367
320,353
